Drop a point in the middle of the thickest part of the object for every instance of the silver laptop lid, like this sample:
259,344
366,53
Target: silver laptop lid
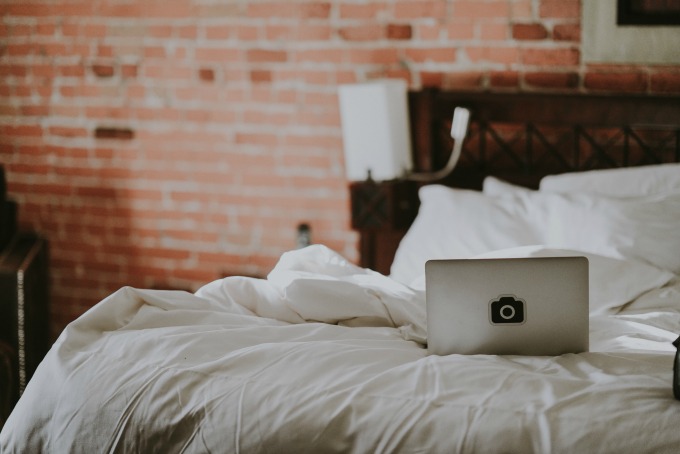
516,306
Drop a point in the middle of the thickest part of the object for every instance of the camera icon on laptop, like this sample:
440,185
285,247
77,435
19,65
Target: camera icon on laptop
507,310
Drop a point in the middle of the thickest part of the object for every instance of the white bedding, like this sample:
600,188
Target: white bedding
324,356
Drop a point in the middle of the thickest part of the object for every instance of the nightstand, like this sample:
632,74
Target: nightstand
385,209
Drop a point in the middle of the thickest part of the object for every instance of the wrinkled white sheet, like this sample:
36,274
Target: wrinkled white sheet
324,356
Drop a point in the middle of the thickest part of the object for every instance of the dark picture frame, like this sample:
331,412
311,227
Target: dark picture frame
648,12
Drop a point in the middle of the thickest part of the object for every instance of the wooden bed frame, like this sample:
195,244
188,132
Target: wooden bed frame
519,138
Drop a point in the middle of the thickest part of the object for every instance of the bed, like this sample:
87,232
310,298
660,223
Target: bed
329,356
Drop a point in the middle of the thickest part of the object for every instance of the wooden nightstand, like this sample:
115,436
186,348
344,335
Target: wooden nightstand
384,209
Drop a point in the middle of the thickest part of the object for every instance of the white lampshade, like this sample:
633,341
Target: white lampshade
375,129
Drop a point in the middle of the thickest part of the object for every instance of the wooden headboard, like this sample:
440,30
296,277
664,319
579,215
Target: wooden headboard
517,137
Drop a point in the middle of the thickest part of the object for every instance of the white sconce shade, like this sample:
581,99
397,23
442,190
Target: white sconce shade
375,129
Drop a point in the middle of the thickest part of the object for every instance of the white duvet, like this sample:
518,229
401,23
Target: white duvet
324,356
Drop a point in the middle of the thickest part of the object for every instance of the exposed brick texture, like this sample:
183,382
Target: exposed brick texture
165,144
399,31
504,79
666,82
616,81
206,74
103,70
529,31
567,32
552,80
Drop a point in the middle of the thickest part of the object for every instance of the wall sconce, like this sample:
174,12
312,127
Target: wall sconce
459,125
377,137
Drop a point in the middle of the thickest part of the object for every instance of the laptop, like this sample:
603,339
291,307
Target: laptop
511,306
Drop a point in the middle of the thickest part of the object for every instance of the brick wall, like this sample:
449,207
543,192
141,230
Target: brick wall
164,143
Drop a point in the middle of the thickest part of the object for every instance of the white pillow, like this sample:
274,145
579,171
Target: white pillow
623,182
612,282
457,223
494,187
642,228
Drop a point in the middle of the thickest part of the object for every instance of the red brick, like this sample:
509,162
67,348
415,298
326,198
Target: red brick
72,70
19,131
247,32
431,79
104,51
443,55
6,110
391,73
567,32
315,10
128,71
43,70
560,8
504,79
552,80
419,9
493,31
267,56
362,33
373,56
19,50
93,31
65,131
187,31
96,191
218,32
506,55
161,10
551,57
428,32
159,31
616,82
475,9
464,80
206,74
529,31
399,31
38,111
166,253
264,139
16,30
270,10
45,29
13,70
521,9
154,52
220,54
361,10
665,82
312,10
118,133
101,70
34,169
320,55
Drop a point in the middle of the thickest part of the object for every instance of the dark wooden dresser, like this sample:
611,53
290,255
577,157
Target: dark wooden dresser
24,304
